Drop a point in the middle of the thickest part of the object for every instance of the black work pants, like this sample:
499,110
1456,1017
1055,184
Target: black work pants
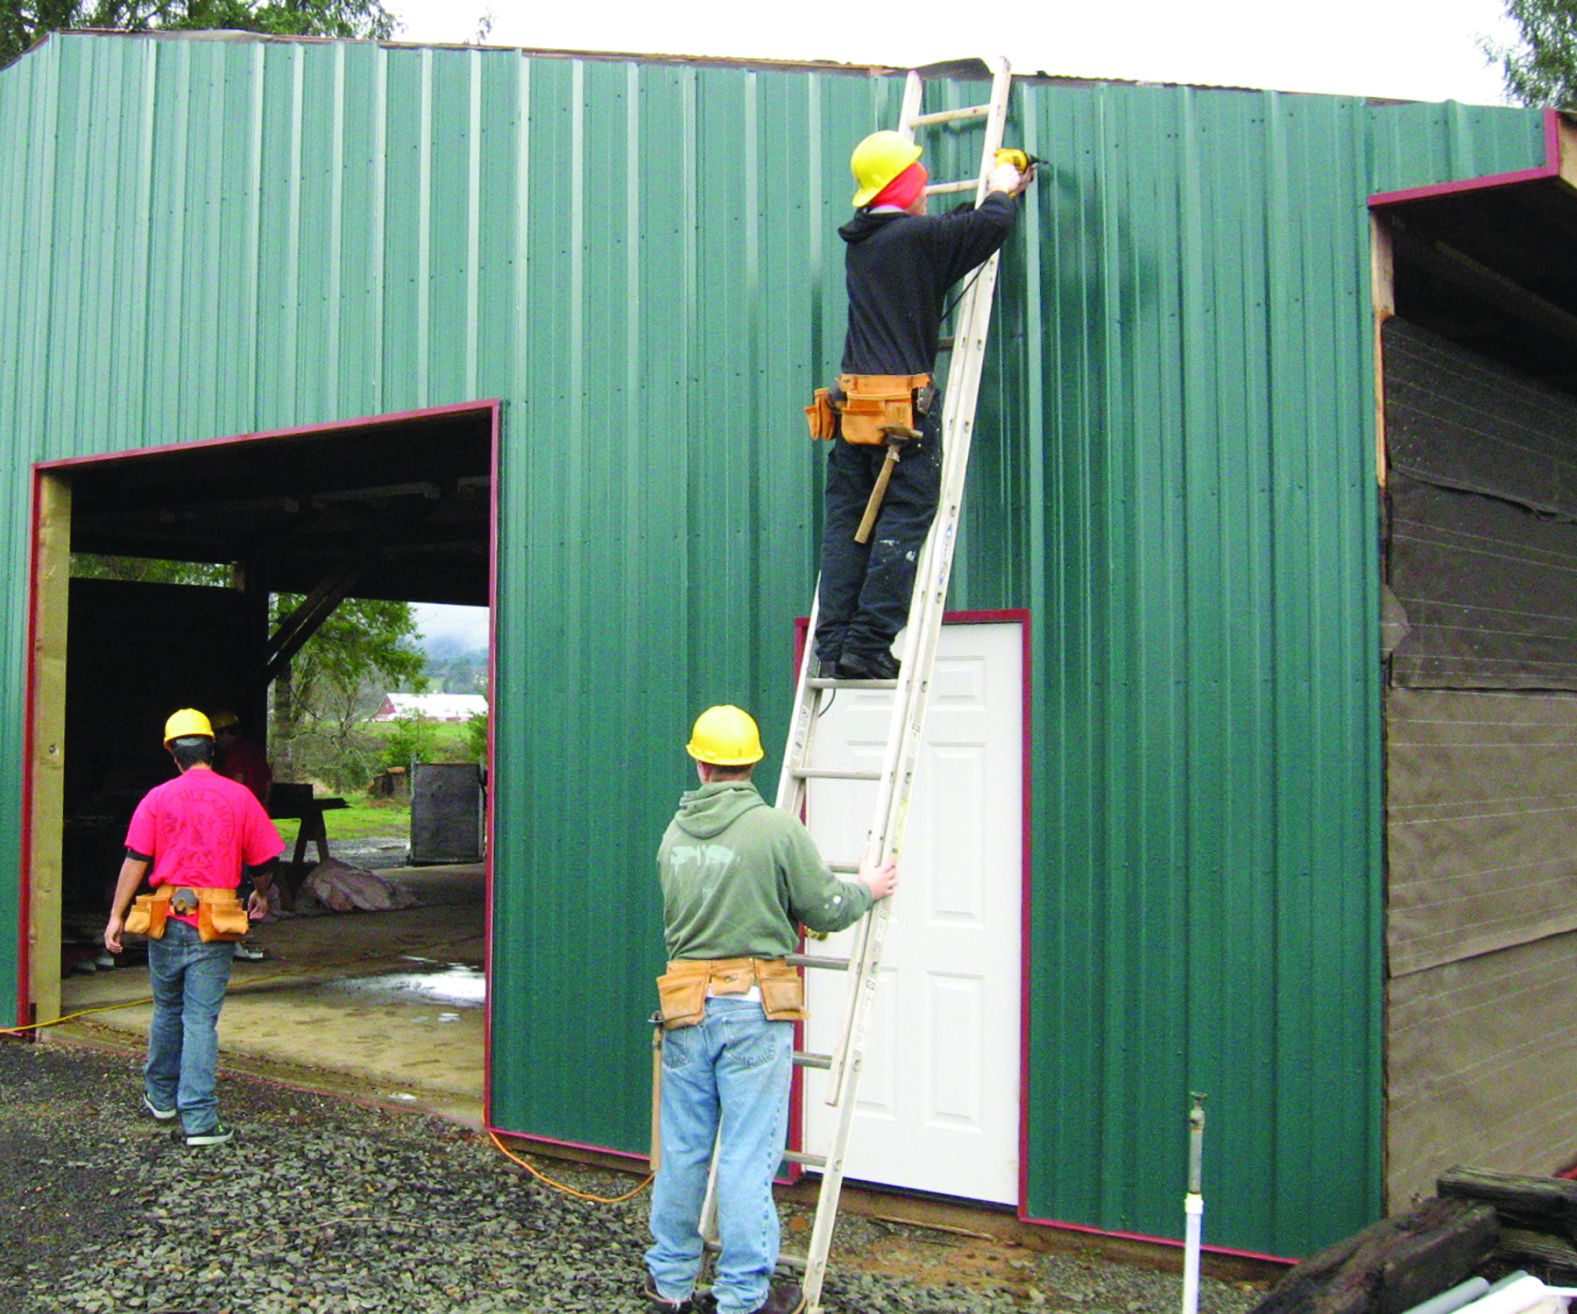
865,587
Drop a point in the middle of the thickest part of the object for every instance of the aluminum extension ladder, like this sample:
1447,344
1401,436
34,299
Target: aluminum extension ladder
912,688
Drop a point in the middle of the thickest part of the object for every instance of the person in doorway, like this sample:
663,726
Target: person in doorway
899,264
738,878
239,758
195,833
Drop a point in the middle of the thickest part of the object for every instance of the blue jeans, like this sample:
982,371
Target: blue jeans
189,980
734,1068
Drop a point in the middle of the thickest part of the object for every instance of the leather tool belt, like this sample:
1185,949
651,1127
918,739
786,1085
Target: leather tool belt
864,405
683,989
220,915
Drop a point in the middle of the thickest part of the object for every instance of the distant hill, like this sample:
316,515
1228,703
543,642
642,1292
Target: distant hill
455,668
448,648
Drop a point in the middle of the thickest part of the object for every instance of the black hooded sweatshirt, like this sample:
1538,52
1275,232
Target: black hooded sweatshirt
899,269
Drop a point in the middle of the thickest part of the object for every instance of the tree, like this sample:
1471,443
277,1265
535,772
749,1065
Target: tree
24,22
335,681
146,570
1542,68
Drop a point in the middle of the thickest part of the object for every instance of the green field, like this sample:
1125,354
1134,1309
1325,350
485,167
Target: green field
363,819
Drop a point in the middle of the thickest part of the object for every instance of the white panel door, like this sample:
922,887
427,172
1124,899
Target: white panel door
938,1106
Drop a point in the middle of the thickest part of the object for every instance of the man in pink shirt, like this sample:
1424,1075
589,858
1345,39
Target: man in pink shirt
196,832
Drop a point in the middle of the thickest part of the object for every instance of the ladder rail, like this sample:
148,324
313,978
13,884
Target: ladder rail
912,695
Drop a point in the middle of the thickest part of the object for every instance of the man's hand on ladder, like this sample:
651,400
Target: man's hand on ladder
879,880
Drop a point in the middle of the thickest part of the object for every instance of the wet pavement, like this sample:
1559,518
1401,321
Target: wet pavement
387,1006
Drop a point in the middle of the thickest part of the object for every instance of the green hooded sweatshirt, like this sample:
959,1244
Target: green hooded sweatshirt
739,876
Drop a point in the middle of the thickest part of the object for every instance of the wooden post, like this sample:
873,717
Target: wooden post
1382,291
45,805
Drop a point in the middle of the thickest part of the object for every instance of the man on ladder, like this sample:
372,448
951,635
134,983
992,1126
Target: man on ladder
900,264
738,878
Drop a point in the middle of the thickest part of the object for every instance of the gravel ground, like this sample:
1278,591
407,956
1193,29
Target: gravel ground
330,1206
327,1206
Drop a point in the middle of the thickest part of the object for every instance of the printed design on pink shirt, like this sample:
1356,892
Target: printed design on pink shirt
200,829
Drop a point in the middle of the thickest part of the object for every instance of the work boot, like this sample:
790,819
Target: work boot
662,1303
867,666
783,1300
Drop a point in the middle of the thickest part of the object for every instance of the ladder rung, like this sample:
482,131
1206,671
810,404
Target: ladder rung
952,115
786,1259
844,868
944,189
805,1159
833,773
825,682
818,960
806,1060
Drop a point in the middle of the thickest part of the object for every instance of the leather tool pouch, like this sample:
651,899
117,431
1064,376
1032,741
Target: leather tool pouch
148,914
871,401
682,991
822,416
220,916
782,991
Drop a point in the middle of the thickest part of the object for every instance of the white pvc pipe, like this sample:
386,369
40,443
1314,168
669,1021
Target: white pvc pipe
1523,1296
1448,1302
1194,1212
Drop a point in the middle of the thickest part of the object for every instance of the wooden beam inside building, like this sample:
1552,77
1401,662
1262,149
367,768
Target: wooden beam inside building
1486,285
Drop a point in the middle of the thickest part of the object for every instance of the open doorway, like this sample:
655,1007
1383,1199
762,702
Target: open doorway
397,508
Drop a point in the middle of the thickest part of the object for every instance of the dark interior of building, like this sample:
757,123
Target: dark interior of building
1494,269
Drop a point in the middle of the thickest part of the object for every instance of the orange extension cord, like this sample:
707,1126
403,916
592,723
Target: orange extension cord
569,1190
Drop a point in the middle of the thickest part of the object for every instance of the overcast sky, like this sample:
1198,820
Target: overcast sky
1408,49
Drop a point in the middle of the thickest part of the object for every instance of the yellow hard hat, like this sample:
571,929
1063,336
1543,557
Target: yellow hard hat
879,159
223,718
725,736
187,721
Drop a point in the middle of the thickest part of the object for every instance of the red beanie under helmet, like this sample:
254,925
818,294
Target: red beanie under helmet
905,189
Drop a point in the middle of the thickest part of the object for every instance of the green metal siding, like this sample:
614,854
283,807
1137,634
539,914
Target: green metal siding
1207,864
208,237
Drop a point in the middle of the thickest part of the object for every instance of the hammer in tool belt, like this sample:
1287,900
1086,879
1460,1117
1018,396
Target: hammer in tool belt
895,436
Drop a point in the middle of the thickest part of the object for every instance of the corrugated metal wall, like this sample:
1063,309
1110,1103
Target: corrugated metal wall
1207,850
1175,477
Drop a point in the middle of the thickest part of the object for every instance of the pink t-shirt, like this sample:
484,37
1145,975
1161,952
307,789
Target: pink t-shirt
200,829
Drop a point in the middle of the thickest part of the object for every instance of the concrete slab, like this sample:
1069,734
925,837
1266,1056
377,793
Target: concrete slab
384,1006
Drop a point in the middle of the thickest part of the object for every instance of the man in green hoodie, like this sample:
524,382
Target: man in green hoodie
738,879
